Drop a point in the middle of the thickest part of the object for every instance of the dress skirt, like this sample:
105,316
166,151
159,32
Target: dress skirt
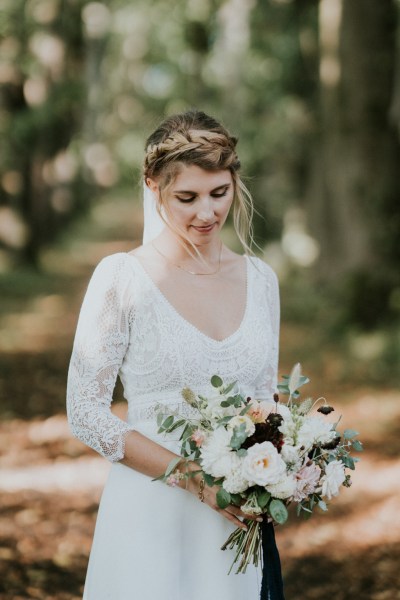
155,542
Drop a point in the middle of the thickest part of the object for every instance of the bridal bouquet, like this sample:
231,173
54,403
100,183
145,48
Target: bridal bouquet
262,455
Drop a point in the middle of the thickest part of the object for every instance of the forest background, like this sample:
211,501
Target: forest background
312,89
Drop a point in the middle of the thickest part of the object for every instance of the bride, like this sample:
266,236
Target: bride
167,315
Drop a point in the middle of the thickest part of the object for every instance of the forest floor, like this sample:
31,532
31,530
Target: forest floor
50,484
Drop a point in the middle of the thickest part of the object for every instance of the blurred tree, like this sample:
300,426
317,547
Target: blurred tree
41,91
354,189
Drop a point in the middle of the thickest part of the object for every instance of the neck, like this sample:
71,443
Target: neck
168,243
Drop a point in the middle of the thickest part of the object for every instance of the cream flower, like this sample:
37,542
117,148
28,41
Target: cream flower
291,456
262,464
333,478
240,420
216,455
284,488
251,507
315,431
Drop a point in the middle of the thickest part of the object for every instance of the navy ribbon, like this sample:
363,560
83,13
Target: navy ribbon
272,584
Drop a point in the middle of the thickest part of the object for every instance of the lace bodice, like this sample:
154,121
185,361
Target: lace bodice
127,326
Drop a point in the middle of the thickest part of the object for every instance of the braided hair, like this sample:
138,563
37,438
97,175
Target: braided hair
195,138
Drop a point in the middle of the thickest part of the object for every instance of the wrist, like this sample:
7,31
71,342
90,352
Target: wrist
193,481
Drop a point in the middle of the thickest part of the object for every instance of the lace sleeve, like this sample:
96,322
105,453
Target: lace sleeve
267,388
100,344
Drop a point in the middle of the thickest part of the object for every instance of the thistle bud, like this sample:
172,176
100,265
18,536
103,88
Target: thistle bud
189,396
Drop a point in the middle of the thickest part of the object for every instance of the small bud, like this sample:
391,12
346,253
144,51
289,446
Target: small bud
325,410
276,398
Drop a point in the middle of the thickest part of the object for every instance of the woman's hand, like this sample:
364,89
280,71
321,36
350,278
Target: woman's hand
231,512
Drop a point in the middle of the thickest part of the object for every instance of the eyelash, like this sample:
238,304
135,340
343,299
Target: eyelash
188,200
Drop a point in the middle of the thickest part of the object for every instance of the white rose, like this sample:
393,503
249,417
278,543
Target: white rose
284,488
263,465
333,478
217,457
315,431
239,420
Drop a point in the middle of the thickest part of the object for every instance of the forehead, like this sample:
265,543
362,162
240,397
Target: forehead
192,177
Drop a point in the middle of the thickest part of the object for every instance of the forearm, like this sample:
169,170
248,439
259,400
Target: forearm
151,459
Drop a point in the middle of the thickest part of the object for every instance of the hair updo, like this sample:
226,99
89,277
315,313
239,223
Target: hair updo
195,138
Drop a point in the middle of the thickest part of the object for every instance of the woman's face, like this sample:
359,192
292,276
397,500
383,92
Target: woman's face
198,202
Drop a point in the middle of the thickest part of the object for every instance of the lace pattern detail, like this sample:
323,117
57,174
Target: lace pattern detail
126,326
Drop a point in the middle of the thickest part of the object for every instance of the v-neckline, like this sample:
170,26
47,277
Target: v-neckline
186,321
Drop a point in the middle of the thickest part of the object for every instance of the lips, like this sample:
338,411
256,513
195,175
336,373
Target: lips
204,228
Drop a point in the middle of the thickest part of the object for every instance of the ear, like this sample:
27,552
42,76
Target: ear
153,186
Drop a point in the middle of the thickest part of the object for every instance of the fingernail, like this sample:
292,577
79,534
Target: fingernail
259,519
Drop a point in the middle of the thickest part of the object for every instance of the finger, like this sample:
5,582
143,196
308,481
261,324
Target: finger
244,515
234,520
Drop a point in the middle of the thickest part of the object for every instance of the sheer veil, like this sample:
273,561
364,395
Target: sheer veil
152,222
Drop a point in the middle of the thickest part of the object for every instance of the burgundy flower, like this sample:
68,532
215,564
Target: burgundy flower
267,432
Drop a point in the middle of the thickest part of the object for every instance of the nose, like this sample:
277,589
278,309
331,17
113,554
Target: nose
206,211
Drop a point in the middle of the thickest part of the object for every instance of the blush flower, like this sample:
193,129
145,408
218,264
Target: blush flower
263,465
198,437
307,481
259,411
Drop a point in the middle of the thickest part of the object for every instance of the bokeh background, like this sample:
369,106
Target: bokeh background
312,89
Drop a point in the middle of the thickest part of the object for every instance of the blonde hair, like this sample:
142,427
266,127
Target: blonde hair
194,138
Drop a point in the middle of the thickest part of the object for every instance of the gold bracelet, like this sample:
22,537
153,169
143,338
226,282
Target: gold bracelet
201,490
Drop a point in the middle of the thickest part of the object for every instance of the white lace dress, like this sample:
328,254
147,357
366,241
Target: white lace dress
154,542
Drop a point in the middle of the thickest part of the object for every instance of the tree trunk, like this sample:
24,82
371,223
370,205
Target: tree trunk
354,187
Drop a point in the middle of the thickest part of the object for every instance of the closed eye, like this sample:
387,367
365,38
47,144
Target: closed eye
219,192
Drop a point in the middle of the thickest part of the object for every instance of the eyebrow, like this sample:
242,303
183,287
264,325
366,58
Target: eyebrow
223,185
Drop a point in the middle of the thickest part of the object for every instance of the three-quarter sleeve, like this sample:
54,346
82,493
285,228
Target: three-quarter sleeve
267,387
101,341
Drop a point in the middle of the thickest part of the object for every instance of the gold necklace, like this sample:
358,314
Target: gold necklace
187,270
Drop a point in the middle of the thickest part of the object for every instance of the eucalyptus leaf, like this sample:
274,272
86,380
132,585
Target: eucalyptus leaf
238,437
349,433
223,498
278,511
209,479
172,465
166,424
216,381
241,452
177,424
349,462
357,445
229,387
263,498
283,388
